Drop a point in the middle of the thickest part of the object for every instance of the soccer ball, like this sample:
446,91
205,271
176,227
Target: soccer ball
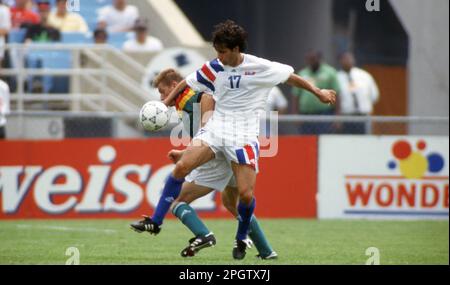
154,115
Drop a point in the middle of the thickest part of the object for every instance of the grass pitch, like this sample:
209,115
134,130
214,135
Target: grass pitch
296,242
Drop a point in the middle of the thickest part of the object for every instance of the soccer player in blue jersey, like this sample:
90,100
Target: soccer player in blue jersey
240,84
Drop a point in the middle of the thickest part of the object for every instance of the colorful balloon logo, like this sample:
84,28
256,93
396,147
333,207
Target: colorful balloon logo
413,164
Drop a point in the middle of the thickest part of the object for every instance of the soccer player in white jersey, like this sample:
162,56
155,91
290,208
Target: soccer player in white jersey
215,175
240,84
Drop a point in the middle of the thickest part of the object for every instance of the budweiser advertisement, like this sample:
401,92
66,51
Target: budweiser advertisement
383,177
110,178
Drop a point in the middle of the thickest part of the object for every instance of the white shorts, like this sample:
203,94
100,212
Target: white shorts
245,152
215,174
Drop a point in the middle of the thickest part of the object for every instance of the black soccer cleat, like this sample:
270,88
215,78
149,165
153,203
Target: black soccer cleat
272,255
239,248
146,225
198,243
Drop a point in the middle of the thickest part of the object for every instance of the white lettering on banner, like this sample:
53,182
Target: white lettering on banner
132,191
16,182
46,186
13,193
98,180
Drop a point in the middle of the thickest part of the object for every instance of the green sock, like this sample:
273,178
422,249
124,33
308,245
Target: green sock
190,219
256,234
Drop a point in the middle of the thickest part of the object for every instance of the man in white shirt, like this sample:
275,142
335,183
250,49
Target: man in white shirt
5,26
359,92
240,84
142,42
119,17
276,101
4,107
66,21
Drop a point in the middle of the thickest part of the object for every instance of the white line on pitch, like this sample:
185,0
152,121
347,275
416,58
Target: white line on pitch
67,229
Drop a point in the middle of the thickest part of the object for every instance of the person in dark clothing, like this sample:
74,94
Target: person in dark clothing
42,32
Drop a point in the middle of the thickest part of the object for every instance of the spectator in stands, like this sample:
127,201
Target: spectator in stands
42,32
4,107
276,101
22,14
142,42
118,17
359,92
100,36
66,21
323,76
5,26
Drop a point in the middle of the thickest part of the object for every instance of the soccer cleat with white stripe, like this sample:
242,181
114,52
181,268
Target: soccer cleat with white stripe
198,243
146,225
239,248
272,255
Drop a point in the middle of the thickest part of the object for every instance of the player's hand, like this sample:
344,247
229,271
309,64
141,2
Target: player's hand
175,155
327,96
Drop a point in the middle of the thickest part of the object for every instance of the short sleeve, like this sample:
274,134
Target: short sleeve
204,78
277,72
193,81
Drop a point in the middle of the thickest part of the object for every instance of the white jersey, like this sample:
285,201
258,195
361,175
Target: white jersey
240,93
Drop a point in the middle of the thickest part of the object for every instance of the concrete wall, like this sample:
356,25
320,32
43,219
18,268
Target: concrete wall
427,23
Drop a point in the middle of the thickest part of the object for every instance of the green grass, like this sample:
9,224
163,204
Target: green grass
296,241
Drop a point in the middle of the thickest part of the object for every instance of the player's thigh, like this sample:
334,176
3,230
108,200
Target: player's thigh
245,177
191,192
196,154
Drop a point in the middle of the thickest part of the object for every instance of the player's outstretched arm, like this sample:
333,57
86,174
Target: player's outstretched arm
173,95
324,95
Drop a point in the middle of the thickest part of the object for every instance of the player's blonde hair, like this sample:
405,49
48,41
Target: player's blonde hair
166,77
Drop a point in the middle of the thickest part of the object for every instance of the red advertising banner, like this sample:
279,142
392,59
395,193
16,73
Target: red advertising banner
111,178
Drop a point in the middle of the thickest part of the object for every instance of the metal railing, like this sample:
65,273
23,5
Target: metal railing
36,125
98,78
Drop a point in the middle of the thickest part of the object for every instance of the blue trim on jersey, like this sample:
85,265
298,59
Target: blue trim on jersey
240,156
216,65
205,82
257,149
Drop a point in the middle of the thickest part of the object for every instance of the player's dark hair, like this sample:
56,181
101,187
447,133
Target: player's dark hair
166,77
230,35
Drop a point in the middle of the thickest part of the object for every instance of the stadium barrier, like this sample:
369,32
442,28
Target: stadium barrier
121,174
106,178
388,177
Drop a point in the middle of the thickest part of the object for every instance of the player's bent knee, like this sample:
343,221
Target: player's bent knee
246,197
181,170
